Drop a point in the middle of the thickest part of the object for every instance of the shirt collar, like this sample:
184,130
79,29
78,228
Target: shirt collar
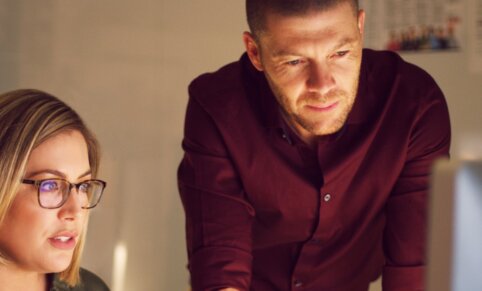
260,93
364,101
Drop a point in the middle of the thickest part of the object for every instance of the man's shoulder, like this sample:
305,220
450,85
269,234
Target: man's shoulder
228,91
388,64
223,90
390,84
388,75
226,79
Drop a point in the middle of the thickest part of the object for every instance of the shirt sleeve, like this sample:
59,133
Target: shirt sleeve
218,216
407,207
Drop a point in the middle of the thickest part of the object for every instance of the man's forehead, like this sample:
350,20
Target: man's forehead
310,9
341,12
287,32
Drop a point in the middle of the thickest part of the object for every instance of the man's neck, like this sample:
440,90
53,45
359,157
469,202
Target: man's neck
304,135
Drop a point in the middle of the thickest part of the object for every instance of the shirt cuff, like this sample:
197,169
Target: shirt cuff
403,278
213,268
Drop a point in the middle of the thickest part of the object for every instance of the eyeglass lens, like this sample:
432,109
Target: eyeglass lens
53,193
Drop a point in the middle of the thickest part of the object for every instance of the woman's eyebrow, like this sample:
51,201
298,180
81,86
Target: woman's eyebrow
57,173
47,171
86,173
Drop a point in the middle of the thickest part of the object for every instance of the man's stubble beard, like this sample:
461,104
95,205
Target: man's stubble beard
345,99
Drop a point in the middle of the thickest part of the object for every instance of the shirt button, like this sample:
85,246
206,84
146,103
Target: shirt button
327,197
286,138
298,283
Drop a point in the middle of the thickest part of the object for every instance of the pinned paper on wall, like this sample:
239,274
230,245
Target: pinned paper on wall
475,35
414,25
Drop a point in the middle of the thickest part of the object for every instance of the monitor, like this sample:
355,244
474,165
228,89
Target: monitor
454,252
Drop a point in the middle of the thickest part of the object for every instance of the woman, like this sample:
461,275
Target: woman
48,165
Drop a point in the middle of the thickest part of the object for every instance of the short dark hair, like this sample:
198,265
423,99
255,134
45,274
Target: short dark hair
256,10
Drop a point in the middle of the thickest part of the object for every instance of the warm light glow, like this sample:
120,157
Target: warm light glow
119,269
470,147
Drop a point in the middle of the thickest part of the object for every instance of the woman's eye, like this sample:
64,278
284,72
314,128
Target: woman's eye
49,186
84,187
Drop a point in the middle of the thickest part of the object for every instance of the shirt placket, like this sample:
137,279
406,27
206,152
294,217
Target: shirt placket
312,249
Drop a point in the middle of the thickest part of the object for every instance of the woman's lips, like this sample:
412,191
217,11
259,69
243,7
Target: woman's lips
63,241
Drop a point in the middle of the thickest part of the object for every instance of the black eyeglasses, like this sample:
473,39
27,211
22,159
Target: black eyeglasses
53,193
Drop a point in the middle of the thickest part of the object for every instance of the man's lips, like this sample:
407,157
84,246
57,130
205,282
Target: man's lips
64,240
322,107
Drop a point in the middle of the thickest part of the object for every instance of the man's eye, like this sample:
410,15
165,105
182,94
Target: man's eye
293,62
341,53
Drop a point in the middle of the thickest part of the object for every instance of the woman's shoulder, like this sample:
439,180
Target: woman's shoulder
88,282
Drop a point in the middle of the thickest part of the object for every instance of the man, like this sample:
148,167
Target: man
307,162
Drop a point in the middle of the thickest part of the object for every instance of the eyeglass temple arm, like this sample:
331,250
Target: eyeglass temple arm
27,181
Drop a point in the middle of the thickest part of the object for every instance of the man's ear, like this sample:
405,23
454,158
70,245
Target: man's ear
252,50
361,21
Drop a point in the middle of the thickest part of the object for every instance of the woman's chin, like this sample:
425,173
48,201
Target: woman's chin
60,264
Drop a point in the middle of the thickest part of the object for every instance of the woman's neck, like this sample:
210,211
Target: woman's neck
14,279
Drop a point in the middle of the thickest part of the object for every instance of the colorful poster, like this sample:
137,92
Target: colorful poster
414,25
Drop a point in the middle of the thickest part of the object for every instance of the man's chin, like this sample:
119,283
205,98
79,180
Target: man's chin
325,129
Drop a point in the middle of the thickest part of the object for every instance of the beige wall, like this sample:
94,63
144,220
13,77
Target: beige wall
125,66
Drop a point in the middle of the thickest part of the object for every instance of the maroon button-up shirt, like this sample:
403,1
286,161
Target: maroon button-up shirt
264,212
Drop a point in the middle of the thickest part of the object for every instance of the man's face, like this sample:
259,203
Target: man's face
312,63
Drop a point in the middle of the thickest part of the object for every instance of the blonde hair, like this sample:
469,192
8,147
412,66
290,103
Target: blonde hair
29,117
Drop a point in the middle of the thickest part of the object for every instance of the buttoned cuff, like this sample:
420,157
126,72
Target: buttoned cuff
403,278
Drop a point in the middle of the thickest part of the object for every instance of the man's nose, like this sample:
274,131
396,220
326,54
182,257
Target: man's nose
321,78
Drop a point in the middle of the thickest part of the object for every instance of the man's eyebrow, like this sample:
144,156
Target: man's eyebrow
343,42
284,53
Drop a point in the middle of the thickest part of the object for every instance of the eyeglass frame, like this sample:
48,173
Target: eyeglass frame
37,183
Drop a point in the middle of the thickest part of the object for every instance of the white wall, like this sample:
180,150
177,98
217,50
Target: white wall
125,66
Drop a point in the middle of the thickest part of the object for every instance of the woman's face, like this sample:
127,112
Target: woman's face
43,240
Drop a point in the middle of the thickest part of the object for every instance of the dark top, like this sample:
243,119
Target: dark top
264,212
88,282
